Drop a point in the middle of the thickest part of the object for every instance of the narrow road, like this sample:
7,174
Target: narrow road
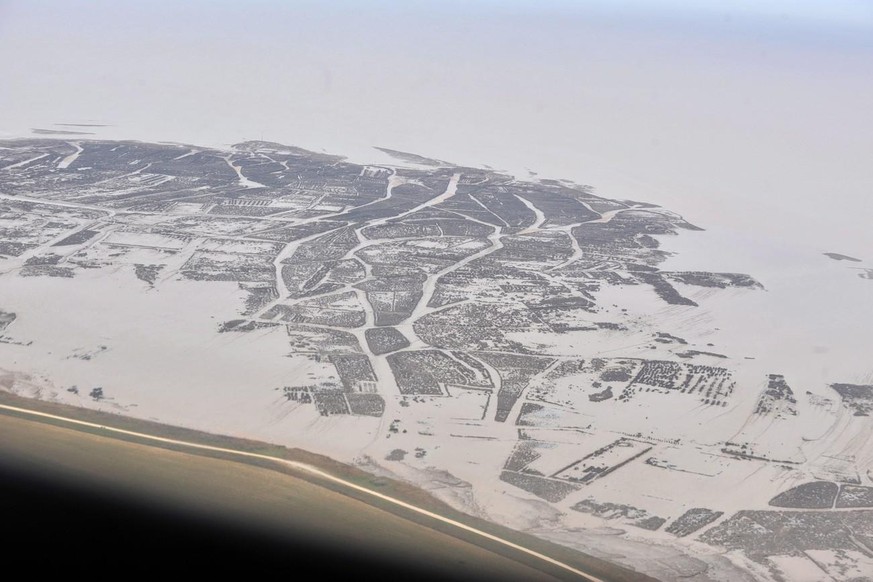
243,181
303,467
65,163
110,212
24,162
540,216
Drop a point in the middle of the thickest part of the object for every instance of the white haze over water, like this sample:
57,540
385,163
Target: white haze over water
751,119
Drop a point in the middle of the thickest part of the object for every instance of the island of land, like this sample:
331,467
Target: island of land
526,352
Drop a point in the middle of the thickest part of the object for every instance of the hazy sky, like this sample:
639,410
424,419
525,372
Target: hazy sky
753,114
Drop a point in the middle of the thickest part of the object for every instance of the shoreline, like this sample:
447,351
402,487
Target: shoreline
395,497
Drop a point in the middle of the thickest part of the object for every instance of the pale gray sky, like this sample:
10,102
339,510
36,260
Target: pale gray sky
750,114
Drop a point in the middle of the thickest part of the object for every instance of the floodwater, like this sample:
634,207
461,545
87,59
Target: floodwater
756,117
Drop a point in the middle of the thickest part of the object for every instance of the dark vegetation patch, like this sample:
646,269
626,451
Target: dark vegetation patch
605,394
692,520
855,496
6,319
147,273
548,489
856,397
777,399
364,404
396,455
77,238
384,340
760,534
626,513
839,257
329,403
814,495
424,371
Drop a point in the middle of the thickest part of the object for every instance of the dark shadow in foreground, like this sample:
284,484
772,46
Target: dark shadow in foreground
73,527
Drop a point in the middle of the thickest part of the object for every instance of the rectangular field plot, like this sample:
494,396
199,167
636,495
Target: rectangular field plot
555,449
686,460
462,404
603,461
146,239
218,266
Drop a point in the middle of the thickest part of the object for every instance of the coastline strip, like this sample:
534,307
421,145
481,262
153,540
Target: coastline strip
314,471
